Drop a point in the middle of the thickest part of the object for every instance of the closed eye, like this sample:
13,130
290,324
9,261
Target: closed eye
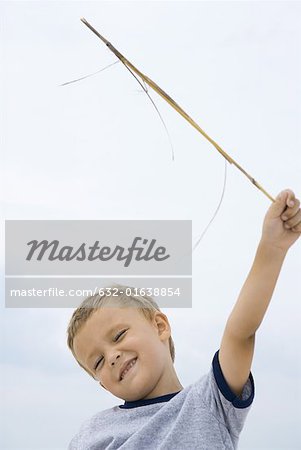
119,335
116,338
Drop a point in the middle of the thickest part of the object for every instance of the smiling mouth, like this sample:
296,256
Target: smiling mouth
127,369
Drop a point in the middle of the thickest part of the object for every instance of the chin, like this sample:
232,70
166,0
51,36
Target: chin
139,392
141,385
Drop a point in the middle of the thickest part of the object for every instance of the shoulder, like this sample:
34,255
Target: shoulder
215,392
247,396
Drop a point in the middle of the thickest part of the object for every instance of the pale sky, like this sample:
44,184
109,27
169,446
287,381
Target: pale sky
97,150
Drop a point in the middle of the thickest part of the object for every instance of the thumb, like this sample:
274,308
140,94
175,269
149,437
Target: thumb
279,205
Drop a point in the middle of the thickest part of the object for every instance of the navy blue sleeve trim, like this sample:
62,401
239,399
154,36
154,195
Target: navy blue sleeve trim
225,389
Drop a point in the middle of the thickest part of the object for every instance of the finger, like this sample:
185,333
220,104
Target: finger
297,228
290,212
278,207
290,197
294,221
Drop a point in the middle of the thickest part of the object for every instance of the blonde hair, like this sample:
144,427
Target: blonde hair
146,304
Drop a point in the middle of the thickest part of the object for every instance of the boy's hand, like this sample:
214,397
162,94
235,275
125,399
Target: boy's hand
282,222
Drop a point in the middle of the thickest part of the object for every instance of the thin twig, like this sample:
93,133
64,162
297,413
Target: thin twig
90,75
174,105
155,106
216,211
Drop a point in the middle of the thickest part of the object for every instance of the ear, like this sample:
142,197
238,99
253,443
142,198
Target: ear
162,325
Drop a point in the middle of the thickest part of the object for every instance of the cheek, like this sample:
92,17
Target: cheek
145,347
152,354
137,343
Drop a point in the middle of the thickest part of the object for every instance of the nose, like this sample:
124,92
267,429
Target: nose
114,358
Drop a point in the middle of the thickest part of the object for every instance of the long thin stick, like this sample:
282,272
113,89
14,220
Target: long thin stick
172,103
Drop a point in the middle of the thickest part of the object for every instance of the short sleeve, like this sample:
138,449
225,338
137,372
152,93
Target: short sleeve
222,402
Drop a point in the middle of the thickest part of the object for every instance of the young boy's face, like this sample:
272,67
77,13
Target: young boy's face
114,336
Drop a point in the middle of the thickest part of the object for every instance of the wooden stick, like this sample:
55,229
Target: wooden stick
175,106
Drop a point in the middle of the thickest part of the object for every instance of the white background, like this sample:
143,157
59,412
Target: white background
97,150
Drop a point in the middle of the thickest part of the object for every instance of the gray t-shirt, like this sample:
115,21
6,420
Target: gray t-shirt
205,415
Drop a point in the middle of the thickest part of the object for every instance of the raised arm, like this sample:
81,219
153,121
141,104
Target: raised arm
238,341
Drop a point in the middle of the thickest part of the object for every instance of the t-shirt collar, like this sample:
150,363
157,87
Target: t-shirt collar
148,401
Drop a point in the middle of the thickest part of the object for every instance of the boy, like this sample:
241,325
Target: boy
125,343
